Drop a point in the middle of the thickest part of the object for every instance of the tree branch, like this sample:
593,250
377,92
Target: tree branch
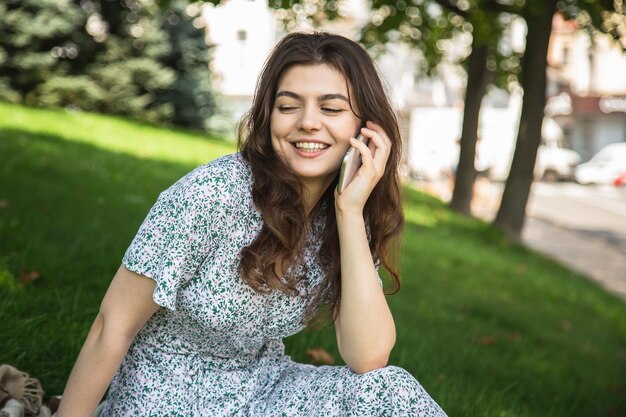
447,4
496,6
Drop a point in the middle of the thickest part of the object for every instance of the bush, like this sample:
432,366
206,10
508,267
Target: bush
129,88
191,95
80,91
7,93
137,64
29,30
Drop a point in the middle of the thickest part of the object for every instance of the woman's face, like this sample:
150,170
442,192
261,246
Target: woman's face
312,122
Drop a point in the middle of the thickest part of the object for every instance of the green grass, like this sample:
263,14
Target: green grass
489,328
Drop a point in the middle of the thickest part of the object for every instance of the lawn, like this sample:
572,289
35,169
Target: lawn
488,327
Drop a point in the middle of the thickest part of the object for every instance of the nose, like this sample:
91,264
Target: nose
309,119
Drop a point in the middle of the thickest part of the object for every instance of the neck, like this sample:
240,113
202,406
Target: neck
313,191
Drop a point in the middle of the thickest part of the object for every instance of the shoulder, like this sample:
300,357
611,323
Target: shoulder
231,167
221,177
223,170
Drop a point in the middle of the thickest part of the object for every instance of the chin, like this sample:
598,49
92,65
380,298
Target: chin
314,175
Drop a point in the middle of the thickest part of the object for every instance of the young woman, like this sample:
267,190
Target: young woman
247,249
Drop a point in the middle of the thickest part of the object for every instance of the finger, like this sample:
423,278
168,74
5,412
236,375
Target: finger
366,170
378,128
379,147
377,140
366,154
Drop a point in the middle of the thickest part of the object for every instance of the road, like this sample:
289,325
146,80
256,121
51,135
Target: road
596,211
583,227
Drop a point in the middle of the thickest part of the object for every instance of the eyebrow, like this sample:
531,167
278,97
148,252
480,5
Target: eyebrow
321,98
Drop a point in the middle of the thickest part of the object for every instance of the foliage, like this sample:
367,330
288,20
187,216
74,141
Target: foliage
433,27
128,67
191,96
131,79
429,25
605,16
63,91
120,58
32,33
7,93
294,15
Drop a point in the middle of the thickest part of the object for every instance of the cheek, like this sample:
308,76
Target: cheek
275,133
278,127
343,134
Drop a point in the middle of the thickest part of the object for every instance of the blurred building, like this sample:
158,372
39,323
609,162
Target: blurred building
243,33
585,110
587,87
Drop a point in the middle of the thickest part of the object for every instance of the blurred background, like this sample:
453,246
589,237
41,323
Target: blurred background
513,112
485,91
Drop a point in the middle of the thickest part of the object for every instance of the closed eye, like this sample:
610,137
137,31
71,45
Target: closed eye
331,110
287,108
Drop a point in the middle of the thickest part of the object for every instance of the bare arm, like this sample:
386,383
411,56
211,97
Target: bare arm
126,307
364,325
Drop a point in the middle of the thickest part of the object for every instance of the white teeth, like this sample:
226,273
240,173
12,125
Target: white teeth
310,146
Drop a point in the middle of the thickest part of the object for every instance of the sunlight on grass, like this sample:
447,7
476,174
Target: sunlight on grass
116,134
419,217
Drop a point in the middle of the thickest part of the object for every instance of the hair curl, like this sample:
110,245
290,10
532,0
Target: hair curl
278,194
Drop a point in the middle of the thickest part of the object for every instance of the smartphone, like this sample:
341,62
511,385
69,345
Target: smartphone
350,164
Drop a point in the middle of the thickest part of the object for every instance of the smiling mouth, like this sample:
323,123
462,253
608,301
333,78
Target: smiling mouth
310,146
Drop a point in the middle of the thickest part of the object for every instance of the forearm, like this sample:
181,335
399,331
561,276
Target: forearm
366,328
99,359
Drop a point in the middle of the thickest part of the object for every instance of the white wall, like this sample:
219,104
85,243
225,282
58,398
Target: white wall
237,62
434,133
610,68
610,130
432,143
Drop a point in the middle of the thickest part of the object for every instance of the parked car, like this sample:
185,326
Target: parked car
609,163
555,163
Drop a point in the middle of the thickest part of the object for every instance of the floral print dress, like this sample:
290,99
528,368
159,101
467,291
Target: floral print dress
215,347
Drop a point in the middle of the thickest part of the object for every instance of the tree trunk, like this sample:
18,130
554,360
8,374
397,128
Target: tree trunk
512,211
466,173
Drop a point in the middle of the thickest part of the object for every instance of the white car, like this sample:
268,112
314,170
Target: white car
608,164
554,163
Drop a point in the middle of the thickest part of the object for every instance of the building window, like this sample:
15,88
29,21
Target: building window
241,35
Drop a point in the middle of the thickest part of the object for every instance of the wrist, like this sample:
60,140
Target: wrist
351,216
346,210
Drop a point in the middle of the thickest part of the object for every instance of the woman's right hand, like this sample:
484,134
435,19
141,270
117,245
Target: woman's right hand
374,158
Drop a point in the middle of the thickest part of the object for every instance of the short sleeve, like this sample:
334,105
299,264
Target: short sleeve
178,232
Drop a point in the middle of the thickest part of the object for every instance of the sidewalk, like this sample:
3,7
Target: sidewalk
594,257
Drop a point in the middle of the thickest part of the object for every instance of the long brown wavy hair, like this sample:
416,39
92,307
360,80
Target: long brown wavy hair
278,194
